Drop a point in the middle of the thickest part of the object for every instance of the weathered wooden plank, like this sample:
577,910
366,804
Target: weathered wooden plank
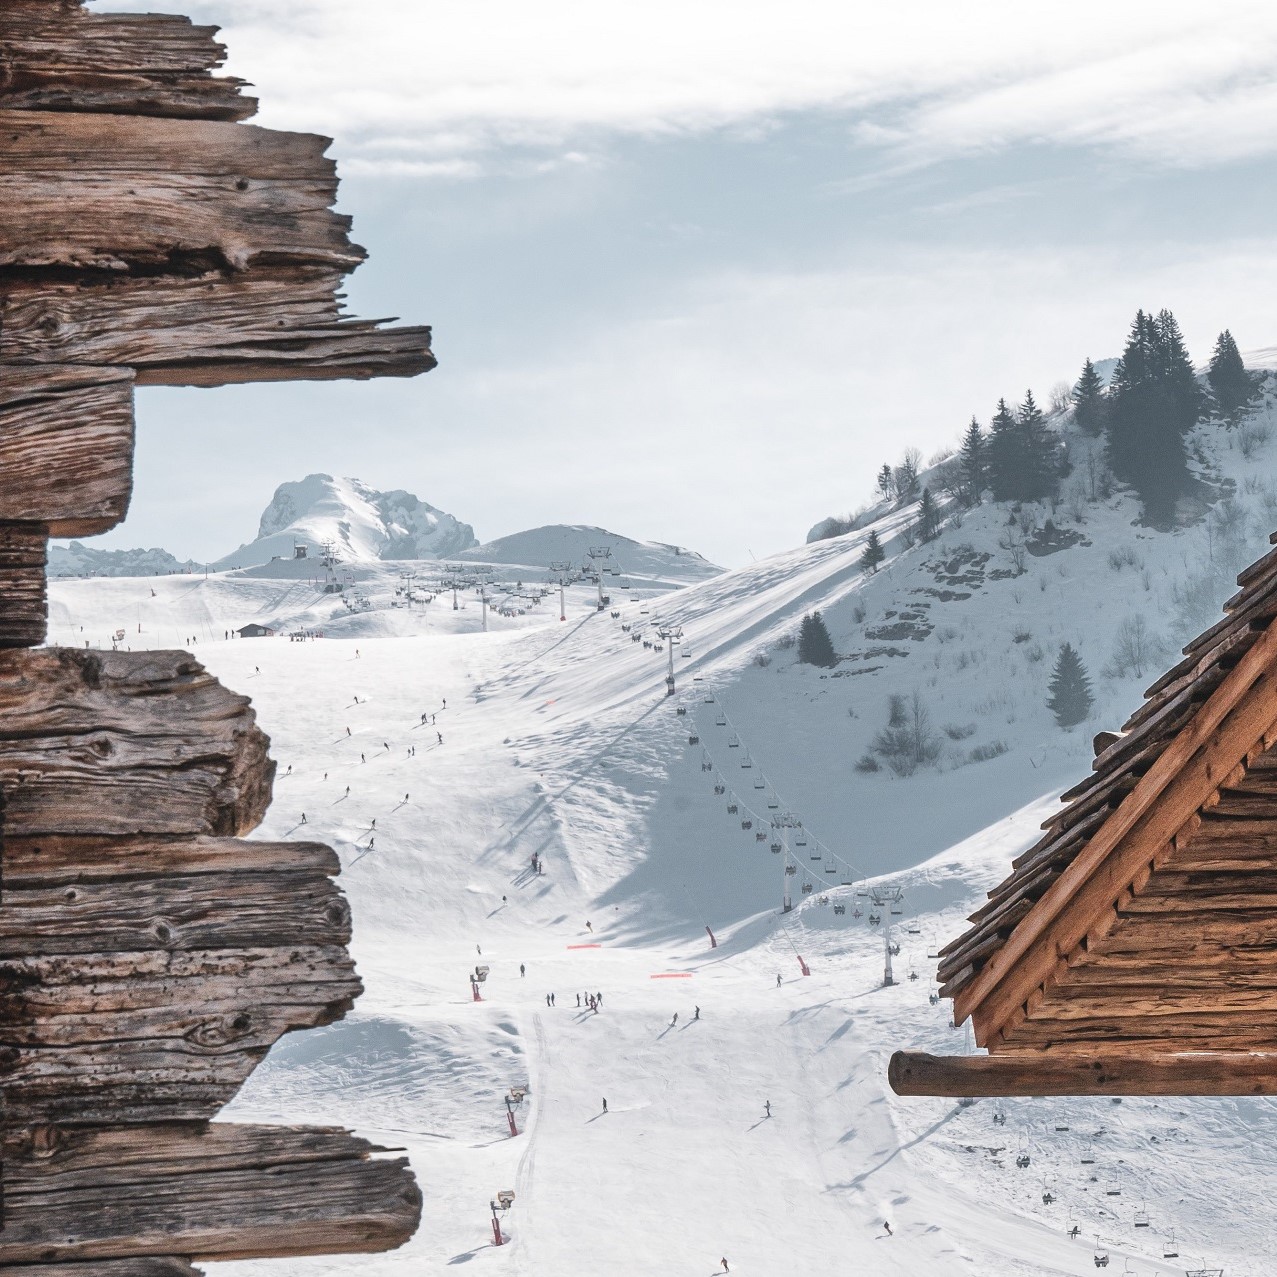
108,1268
124,743
53,861
214,1192
50,144
273,323
24,607
66,446
55,57
1224,730
146,1036
1105,1072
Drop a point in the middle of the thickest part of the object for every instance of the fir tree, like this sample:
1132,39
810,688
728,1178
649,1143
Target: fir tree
905,475
1153,401
873,553
1023,460
1088,400
1070,700
815,647
972,460
928,525
886,483
1230,383
1002,453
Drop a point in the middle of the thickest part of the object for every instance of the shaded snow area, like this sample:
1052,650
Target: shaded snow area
558,741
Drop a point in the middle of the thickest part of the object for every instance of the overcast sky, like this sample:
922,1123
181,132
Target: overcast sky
696,268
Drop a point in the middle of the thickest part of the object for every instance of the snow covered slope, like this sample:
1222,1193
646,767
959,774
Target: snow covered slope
74,558
555,739
359,522
539,547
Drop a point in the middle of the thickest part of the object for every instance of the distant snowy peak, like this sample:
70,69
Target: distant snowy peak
77,559
572,543
359,522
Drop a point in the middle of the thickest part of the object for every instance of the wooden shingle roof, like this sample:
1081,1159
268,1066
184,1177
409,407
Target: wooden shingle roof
1144,921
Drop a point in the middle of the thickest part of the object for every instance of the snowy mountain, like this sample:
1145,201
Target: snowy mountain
360,523
539,547
77,559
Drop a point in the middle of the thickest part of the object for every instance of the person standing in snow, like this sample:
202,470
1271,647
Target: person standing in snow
547,999
767,1104
522,972
886,1223
674,1021
778,979
605,1104
724,1263
598,998
578,1001
440,736
552,999
697,1016
589,928
445,702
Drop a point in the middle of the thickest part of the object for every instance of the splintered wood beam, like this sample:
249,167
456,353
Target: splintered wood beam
56,57
216,328
119,743
1104,1072
66,446
115,193
215,1192
24,607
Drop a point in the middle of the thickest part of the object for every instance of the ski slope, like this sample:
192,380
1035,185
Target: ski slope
558,741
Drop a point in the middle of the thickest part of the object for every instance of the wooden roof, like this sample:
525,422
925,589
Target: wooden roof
1143,924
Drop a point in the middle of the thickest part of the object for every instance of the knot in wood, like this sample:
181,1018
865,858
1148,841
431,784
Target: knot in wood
45,1141
223,1031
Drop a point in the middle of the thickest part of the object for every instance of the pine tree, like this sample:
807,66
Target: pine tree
1002,452
928,525
972,460
1088,400
1070,700
905,475
1023,457
1230,383
886,483
815,647
1153,401
873,553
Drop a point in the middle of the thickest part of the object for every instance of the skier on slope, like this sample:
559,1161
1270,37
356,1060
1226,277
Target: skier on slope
440,736
605,1104
674,1021
767,1104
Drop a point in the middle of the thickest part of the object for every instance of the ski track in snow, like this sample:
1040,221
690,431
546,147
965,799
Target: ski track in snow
558,741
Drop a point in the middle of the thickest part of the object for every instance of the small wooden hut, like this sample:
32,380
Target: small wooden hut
149,955
1133,949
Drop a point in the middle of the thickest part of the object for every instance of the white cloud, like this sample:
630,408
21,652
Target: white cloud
1168,79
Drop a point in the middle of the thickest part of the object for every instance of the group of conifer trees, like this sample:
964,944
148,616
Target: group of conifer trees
1151,402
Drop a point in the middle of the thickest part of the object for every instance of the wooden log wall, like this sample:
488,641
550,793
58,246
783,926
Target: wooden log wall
150,954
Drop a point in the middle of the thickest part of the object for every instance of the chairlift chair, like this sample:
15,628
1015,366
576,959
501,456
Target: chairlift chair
746,762
815,855
1088,1155
759,783
894,949
734,743
720,789
1170,1250
760,835
1113,1190
874,919
801,840
1101,1255
806,889
840,909
857,912
830,869
896,911
747,824
720,719
777,848
681,711
1141,1217
845,880
1048,1197
709,698
999,1117
732,809
772,802
791,869
693,739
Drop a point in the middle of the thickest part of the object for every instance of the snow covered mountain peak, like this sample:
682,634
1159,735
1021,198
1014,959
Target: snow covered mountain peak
361,523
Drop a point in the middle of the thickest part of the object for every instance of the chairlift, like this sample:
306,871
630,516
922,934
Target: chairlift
999,1117
693,739
806,889
720,789
777,848
1058,1129
801,840
746,761
840,909
857,912
1113,1190
681,711
894,949
791,869
1048,1197
1141,1217
913,975
1170,1250
831,870
734,743
896,911
720,719
1073,1231
933,998
772,802
1101,1255
1088,1154
747,824
759,783
874,919
845,880
1022,1160
760,835
815,855
709,697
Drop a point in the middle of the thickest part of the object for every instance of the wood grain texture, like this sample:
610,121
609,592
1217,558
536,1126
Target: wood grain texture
108,1268
119,743
1105,1072
215,1192
24,607
215,328
66,446
56,57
